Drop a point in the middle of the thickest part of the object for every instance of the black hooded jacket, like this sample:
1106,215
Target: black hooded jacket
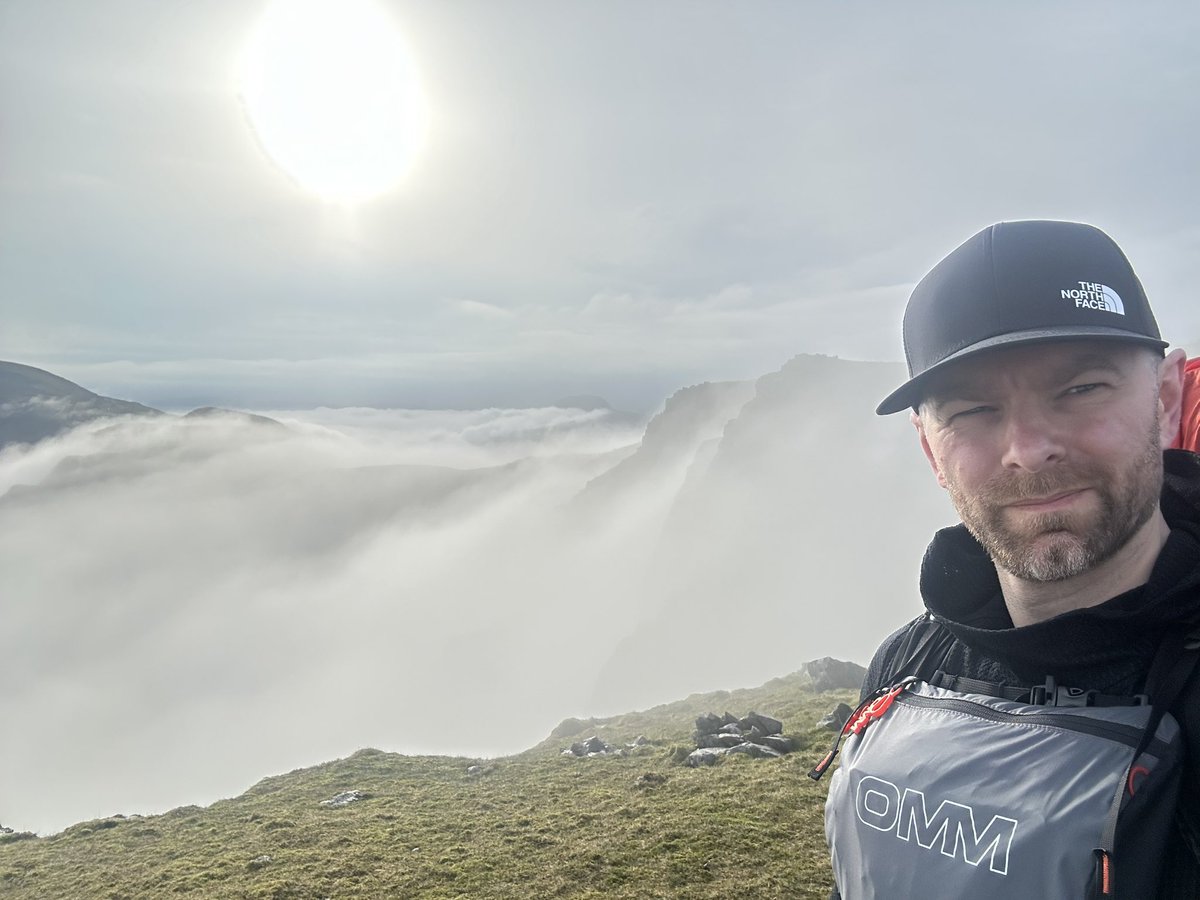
1107,648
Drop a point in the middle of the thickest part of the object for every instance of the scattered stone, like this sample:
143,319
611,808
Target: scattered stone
778,742
591,748
756,751
704,756
474,771
724,739
345,798
640,741
730,729
836,718
764,724
259,861
650,779
829,674
5,830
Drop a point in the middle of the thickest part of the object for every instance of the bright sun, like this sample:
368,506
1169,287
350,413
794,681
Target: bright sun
333,96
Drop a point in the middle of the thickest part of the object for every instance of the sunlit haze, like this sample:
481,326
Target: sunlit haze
333,96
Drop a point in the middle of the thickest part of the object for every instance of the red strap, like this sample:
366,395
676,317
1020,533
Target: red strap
875,709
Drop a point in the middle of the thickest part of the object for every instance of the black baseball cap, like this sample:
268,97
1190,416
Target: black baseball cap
1020,283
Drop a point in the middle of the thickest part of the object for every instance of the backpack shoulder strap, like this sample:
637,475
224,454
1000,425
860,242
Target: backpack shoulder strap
1187,710
921,649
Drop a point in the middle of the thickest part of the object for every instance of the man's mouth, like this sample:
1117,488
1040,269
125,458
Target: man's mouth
1049,502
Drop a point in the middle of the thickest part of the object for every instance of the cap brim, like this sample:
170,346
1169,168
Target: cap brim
909,394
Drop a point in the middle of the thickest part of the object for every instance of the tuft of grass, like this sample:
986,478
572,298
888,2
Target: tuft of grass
536,824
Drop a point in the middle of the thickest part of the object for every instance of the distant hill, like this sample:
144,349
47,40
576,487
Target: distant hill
215,412
35,405
537,824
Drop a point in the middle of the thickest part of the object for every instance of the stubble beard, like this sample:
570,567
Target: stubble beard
1060,545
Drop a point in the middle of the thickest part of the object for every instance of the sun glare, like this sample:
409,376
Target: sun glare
333,96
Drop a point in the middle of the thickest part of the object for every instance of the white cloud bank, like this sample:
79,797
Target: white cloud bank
190,605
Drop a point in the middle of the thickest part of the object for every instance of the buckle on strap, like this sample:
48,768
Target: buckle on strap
1051,693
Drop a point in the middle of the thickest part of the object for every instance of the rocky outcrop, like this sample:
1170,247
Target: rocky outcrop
829,674
596,746
753,735
591,748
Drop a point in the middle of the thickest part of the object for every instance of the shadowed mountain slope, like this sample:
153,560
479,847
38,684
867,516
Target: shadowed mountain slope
35,404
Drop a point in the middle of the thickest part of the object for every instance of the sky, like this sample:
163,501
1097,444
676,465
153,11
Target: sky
614,198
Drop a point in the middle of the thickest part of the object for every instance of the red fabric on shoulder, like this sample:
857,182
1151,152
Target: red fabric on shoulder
1189,420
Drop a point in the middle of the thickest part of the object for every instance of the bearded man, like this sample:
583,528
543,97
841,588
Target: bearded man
1042,397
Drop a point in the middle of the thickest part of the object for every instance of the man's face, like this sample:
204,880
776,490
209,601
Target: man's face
1050,452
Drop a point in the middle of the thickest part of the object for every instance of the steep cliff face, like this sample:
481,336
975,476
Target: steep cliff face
798,531
690,419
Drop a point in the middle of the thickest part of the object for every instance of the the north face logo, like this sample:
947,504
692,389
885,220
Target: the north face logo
1092,295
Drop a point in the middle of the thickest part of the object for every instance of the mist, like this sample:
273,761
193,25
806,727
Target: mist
194,603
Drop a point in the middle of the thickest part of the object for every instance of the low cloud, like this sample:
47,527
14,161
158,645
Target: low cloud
193,604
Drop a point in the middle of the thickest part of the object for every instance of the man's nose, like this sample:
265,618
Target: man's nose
1032,441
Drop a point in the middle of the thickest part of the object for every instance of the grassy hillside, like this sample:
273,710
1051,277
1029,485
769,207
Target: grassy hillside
532,825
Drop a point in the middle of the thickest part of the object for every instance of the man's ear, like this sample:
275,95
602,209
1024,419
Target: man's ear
1170,395
915,418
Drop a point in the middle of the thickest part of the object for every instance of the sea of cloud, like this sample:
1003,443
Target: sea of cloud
191,604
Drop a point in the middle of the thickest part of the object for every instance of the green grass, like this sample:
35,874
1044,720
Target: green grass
533,825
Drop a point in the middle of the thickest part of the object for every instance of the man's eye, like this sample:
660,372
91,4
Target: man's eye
969,412
1079,389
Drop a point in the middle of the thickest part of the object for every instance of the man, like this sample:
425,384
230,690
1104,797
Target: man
1041,398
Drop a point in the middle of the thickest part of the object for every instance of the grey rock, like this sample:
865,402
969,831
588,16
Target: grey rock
764,724
709,723
259,861
345,798
704,756
591,747
778,742
727,740
829,674
730,729
836,718
756,751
